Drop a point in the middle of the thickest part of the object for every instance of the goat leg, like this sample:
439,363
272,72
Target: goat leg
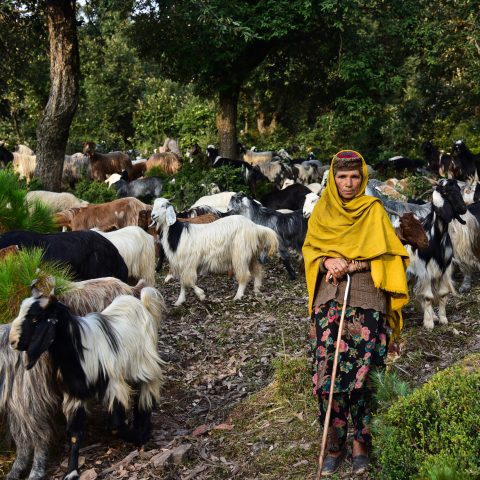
284,255
75,432
22,460
39,466
118,418
142,427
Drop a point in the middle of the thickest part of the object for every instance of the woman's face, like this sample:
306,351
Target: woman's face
348,183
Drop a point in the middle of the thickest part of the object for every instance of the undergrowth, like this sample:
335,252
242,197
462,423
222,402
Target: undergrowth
17,271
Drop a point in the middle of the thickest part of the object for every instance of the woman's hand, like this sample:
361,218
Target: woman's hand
336,269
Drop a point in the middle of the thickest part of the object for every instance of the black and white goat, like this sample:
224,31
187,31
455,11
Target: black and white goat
431,268
232,242
100,355
29,400
290,227
466,244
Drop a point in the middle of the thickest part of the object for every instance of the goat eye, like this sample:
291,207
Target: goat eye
34,320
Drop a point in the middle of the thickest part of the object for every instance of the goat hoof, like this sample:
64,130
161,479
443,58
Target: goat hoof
428,325
443,320
72,475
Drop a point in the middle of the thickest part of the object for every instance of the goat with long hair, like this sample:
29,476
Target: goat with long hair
99,355
230,242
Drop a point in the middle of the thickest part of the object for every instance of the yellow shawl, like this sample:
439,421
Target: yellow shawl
357,229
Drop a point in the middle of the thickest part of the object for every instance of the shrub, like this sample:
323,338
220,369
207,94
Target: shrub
15,213
433,432
17,271
94,192
192,182
417,186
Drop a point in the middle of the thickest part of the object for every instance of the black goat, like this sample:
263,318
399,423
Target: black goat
291,228
465,165
87,253
6,156
292,197
399,164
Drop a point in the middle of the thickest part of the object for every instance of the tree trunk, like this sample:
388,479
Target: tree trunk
54,126
227,122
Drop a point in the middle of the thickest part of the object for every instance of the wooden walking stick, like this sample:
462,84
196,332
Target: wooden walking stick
321,458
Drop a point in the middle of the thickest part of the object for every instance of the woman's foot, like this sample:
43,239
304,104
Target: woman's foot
360,457
332,463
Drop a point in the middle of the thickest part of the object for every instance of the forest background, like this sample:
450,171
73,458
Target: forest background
380,76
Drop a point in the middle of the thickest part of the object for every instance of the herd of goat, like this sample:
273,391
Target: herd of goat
101,333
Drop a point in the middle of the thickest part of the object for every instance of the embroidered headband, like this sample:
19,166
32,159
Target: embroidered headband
346,160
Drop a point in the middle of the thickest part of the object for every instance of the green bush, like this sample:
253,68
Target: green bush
17,271
192,182
16,213
417,187
433,432
94,192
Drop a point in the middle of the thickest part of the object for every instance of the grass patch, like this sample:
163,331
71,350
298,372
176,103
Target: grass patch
276,430
17,271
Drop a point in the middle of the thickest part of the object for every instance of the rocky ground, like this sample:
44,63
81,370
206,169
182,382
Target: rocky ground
220,416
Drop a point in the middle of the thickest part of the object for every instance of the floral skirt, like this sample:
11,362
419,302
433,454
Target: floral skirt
363,346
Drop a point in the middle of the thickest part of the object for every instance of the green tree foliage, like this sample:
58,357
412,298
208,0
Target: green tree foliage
433,432
113,81
168,109
24,72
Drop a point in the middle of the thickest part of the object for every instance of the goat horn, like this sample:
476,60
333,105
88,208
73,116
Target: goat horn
36,293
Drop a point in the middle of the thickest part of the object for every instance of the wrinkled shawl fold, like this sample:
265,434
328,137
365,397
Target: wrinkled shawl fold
357,229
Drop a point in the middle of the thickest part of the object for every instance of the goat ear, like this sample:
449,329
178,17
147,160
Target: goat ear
36,293
52,297
170,217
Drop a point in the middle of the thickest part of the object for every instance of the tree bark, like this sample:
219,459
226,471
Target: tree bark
227,122
54,126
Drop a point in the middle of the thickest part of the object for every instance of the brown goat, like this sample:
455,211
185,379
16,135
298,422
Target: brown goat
207,218
104,216
167,162
138,169
96,294
104,164
411,231
10,250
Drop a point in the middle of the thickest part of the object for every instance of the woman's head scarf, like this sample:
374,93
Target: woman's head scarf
357,229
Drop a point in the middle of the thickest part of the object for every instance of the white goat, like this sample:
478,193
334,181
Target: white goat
311,200
137,249
230,242
56,201
217,200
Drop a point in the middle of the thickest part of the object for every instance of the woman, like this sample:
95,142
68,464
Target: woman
349,232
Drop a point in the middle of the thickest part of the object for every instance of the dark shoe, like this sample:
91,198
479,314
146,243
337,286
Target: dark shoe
360,464
331,464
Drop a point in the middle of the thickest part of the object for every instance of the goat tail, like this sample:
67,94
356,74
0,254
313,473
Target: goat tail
153,301
137,289
269,241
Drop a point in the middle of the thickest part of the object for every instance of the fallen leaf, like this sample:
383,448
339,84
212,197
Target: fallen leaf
200,430
223,426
